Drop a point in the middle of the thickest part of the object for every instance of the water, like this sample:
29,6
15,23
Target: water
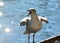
14,10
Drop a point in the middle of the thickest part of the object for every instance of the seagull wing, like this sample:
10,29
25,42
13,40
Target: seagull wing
43,19
24,21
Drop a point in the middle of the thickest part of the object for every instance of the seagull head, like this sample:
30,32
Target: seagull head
31,11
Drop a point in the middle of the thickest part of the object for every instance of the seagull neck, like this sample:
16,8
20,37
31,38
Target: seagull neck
34,17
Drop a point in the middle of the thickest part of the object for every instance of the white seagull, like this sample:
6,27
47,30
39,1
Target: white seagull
33,23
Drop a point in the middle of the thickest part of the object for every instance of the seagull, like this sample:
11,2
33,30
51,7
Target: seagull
33,23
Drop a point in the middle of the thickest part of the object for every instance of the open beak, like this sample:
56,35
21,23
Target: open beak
29,12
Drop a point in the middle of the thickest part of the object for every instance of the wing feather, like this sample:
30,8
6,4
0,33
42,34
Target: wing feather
24,21
43,19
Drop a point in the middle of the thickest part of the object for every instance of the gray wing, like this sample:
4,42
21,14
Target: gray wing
24,21
43,19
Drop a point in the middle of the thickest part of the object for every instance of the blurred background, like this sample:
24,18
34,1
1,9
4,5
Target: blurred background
12,11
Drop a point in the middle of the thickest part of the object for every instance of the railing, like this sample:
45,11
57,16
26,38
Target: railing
54,39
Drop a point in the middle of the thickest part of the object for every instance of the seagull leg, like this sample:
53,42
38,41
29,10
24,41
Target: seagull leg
28,38
33,38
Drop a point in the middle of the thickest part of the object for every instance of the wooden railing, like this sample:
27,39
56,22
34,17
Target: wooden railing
54,39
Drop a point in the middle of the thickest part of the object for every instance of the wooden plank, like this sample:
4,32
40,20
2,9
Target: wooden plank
54,39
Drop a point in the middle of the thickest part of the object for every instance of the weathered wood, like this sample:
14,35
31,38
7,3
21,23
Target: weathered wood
54,39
